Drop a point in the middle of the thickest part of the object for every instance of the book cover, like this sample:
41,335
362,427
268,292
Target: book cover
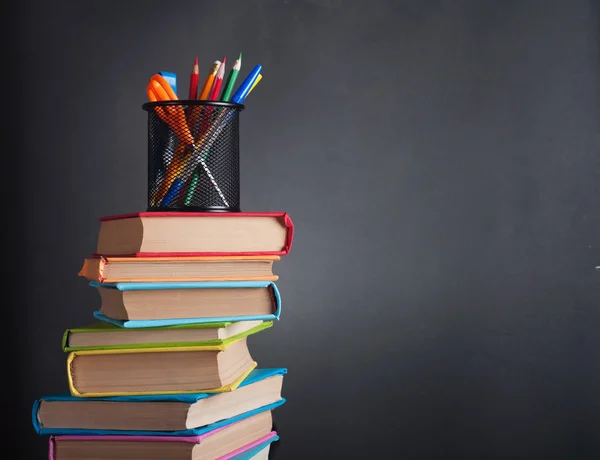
189,398
190,285
93,268
225,215
251,450
190,432
237,454
106,326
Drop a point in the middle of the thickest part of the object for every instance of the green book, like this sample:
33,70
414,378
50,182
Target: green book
106,336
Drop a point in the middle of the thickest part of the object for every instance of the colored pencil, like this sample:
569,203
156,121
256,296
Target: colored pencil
193,92
218,81
209,81
204,92
237,65
206,115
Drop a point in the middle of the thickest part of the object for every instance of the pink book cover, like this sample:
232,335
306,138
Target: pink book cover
191,439
283,215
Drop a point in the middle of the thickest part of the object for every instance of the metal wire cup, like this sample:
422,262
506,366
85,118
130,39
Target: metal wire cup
193,156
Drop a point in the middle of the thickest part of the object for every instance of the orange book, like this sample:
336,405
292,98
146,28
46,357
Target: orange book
193,268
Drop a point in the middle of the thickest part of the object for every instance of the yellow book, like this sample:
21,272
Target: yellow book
156,371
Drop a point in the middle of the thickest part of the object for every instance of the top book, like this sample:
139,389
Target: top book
155,234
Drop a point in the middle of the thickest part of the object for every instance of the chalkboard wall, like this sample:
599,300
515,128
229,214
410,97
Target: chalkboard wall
440,160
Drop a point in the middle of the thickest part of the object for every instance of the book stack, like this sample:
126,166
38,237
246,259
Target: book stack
165,371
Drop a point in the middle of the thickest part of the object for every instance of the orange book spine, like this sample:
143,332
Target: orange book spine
93,269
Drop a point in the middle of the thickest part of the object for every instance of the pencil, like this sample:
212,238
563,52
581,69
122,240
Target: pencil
193,92
209,81
218,81
197,111
202,113
204,125
237,65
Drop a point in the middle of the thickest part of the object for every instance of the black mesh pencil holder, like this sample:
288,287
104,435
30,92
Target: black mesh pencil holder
193,156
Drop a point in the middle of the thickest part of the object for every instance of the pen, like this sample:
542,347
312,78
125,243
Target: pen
244,88
170,78
159,90
256,82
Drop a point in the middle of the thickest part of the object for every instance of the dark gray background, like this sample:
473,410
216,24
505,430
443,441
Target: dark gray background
440,162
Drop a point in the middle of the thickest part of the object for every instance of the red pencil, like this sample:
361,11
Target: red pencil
214,93
193,93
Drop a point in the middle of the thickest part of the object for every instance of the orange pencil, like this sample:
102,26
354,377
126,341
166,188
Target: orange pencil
203,96
218,81
209,81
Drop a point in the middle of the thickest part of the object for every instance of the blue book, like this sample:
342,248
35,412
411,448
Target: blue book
126,304
259,392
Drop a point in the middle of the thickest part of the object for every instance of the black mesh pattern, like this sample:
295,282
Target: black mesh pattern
193,156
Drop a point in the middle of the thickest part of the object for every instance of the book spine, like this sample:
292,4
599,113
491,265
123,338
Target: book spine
263,442
51,448
290,233
93,269
65,340
37,426
71,375
276,299
287,221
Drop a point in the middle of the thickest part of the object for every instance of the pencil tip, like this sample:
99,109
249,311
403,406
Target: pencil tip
240,56
224,60
196,61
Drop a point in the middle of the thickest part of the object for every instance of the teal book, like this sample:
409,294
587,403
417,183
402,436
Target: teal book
159,415
142,305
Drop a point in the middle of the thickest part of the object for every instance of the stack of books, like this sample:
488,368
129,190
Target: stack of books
165,372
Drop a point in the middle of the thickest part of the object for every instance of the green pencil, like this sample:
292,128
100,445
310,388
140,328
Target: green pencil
231,79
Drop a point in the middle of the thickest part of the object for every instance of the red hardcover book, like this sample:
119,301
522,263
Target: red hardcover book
173,234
